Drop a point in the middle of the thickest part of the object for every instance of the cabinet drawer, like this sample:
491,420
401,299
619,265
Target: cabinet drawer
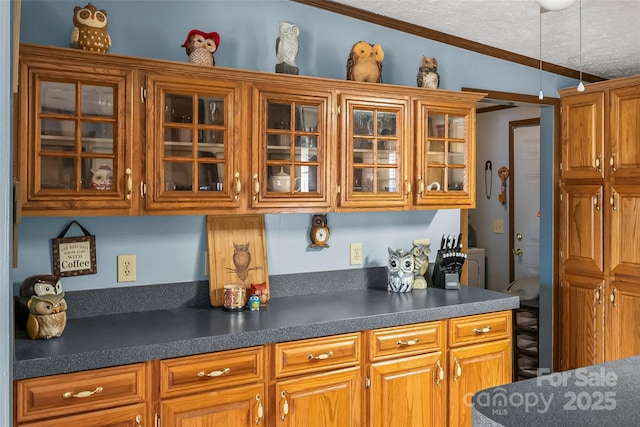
78,392
406,340
479,328
210,371
317,354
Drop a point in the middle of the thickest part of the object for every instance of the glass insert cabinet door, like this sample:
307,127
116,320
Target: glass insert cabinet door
193,160
292,164
374,155
444,154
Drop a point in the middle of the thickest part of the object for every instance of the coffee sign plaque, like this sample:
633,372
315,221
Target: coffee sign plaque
74,256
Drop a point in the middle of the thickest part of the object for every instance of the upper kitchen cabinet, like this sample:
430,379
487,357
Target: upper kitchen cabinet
193,150
75,146
444,151
374,147
624,132
291,146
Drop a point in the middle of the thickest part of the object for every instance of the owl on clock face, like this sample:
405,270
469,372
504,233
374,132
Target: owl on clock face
400,271
201,46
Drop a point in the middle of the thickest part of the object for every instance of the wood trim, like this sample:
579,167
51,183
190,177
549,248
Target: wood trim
17,10
494,108
427,33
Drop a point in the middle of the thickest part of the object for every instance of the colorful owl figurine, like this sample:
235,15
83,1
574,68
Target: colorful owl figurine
428,73
365,62
287,48
102,178
400,271
47,316
90,29
201,46
41,284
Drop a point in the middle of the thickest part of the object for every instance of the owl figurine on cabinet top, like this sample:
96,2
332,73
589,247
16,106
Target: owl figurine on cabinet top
47,316
90,29
201,46
287,48
365,62
400,271
428,73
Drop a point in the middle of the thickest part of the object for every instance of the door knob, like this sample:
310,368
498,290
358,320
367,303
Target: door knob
517,252
519,236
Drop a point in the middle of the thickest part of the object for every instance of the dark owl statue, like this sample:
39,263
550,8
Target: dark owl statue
428,73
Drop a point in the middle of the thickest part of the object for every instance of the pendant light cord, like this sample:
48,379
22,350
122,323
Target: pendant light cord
580,40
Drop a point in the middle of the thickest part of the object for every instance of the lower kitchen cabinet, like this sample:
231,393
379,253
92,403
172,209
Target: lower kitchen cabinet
127,416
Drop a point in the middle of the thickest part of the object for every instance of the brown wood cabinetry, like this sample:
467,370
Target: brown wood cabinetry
600,223
216,140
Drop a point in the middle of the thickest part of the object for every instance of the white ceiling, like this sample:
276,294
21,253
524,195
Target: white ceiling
610,29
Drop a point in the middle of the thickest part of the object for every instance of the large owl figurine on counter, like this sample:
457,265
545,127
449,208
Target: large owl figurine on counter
47,316
41,284
201,46
400,271
90,29
365,62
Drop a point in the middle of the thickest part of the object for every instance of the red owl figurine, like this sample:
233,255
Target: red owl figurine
201,46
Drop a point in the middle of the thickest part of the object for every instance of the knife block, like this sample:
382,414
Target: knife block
442,277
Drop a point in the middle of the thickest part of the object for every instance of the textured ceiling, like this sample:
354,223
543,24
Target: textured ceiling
610,29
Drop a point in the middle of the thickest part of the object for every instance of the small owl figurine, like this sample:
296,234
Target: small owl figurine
201,46
287,48
47,316
400,271
428,73
90,29
102,178
365,62
41,284
420,252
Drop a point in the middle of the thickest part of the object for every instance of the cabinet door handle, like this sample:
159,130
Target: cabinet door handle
440,377
482,331
598,163
214,374
321,356
458,372
598,292
612,297
139,420
260,409
129,183
256,186
408,185
285,406
596,201
612,162
82,394
238,185
612,201
409,342
420,186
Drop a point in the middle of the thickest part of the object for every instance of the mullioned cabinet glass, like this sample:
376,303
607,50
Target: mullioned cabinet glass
192,149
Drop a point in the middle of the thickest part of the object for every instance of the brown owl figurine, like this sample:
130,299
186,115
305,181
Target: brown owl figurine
201,46
90,29
428,73
47,316
365,62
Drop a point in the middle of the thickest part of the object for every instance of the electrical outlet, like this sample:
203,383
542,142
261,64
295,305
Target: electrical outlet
356,254
126,268
498,226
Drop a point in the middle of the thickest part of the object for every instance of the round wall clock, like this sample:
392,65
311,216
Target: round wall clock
320,232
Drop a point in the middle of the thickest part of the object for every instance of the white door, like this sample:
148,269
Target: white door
526,215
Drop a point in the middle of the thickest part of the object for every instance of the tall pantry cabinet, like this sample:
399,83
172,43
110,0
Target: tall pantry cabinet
600,223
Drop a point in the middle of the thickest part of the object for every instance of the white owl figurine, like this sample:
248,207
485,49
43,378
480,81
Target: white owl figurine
287,48
400,271
201,46
90,29
47,316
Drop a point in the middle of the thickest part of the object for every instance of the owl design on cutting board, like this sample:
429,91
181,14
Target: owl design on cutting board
90,29
201,46
242,261
287,48
47,316
40,284
365,62
400,271
428,73
420,254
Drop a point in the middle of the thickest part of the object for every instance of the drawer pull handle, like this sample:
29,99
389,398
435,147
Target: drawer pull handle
458,372
440,373
82,394
260,410
321,356
285,406
482,331
214,374
409,342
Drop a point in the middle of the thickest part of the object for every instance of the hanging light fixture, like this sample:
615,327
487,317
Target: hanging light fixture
553,5
540,95
580,85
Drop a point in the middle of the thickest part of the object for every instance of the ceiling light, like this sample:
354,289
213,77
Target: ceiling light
580,85
540,95
554,5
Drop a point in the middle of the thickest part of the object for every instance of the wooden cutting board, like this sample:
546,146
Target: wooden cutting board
237,253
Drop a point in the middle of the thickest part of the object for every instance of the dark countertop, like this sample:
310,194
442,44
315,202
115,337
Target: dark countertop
601,395
117,339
